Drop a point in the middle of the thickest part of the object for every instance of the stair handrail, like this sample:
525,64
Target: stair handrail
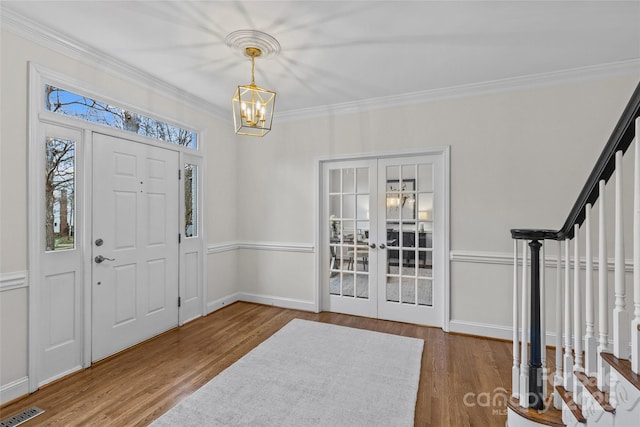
620,140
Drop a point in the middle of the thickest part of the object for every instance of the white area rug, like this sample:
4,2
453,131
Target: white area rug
311,374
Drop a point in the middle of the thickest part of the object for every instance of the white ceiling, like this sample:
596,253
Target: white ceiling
337,52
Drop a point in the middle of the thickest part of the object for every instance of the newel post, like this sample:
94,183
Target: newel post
532,381
536,399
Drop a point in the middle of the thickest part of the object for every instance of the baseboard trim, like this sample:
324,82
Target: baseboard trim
481,329
222,302
292,303
14,390
15,280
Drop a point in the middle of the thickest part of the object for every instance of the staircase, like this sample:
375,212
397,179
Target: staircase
595,300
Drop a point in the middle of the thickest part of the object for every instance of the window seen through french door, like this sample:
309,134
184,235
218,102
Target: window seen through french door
383,233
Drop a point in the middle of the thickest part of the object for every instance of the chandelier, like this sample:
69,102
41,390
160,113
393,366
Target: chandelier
252,105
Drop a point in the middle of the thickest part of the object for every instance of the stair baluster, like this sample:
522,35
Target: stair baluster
590,353
524,358
603,292
635,325
568,356
577,315
620,318
543,322
557,379
515,370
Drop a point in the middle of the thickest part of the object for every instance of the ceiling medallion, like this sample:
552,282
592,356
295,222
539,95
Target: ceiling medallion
240,40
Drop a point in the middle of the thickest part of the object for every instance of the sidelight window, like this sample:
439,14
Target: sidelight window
59,194
191,200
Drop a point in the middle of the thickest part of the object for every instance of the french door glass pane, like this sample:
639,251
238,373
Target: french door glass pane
348,232
425,296
59,194
409,197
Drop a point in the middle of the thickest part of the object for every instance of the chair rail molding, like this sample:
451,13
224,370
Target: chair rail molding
504,258
15,280
261,246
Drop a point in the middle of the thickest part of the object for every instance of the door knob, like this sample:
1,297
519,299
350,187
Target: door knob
100,258
372,246
382,246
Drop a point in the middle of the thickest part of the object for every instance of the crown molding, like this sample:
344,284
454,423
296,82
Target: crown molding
62,43
620,68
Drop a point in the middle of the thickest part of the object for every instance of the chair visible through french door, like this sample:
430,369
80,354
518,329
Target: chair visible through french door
358,253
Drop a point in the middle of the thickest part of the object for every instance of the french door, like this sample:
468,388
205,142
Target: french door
384,234
135,243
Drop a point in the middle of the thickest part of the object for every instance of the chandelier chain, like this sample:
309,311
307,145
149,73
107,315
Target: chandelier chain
253,67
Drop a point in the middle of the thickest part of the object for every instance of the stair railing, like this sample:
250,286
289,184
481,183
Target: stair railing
529,373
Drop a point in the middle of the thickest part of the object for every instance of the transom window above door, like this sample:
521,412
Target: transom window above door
71,104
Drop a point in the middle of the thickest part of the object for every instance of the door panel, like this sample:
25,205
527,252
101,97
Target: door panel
135,214
58,282
192,249
407,220
349,288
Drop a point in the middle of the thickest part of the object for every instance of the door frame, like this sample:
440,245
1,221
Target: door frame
37,116
322,248
444,152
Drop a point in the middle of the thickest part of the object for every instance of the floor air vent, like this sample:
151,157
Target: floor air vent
22,417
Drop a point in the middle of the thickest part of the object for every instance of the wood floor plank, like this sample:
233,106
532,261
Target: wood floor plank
460,379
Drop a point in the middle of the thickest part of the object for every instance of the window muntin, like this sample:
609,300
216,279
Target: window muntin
59,194
70,104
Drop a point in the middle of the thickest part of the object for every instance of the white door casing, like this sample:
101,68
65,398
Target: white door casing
60,300
135,214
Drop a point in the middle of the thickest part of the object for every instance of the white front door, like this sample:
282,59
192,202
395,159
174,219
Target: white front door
384,230
135,243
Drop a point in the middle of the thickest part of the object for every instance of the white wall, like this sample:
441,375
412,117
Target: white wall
508,170
16,52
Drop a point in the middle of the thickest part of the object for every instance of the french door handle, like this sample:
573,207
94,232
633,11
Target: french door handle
382,246
372,246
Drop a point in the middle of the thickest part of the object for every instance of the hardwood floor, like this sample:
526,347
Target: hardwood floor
464,380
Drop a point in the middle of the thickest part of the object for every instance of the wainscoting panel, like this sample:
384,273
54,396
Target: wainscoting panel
13,324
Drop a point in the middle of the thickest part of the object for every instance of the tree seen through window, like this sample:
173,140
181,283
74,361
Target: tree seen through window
71,104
